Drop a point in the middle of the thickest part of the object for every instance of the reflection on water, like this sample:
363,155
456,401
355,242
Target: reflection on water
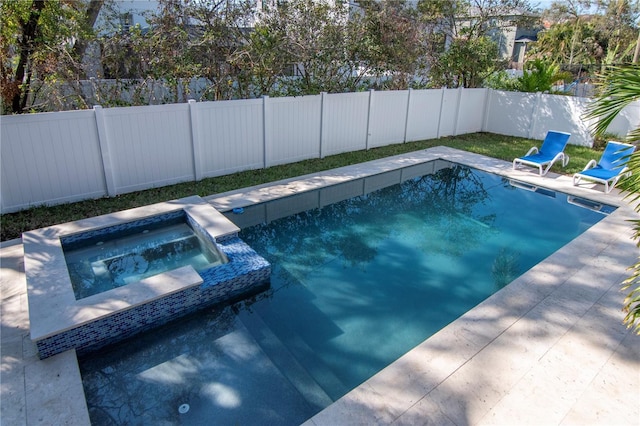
439,208
506,267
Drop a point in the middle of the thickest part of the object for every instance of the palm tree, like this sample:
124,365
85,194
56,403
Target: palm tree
539,76
621,87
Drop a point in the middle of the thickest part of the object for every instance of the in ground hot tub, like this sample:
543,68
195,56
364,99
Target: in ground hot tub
121,255
93,282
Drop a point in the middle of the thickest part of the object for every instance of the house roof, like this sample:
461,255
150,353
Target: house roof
526,39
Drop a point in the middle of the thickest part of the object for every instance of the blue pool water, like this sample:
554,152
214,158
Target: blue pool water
108,259
354,285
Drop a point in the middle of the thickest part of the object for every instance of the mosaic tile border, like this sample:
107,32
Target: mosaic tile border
69,241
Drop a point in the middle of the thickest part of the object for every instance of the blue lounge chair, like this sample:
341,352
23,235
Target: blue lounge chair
611,167
552,149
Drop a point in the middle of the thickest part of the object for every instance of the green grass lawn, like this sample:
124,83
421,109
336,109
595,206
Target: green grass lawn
491,145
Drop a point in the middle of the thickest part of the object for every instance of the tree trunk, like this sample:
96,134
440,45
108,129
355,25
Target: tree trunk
637,51
91,16
26,45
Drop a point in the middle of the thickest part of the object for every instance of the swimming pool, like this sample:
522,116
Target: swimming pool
354,285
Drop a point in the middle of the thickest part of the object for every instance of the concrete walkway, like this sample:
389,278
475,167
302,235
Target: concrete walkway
550,348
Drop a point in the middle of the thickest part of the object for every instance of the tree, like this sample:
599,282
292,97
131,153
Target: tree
166,48
539,76
27,43
311,46
302,47
262,61
579,36
566,33
620,87
41,40
559,43
392,43
619,29
220,31
91,15
466,63
311,40
502,80
462,51
186,41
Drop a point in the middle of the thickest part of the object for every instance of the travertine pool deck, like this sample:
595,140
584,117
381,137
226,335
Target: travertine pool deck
550,348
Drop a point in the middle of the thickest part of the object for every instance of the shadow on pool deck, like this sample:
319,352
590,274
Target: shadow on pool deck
550,348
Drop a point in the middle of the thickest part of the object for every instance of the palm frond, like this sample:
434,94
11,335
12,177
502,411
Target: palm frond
620,87
632,299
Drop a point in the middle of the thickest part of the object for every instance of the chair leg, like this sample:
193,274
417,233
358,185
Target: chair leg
609,185
546,170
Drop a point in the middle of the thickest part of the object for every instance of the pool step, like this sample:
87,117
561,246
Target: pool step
293,343
291,367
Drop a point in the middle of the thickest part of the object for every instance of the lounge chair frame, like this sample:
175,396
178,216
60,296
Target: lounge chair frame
545,165
611,181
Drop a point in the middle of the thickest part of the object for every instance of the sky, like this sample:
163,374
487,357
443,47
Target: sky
545,4
542,4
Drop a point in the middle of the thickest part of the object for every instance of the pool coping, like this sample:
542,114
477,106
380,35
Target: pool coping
397,392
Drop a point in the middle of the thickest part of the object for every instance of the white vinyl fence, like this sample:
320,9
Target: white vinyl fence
59,157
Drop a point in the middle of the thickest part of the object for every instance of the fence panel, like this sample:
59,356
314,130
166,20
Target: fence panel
510,113
423,115
293,130
471,111
626,121
449,113
150,146
229,136
563,113
387,117
344,122
49,158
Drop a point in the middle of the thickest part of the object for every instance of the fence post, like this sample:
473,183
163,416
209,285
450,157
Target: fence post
366,145
406,116
488,94
179,90
196,143
322,132
534,115
442,91
457,111
103,141
266,126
